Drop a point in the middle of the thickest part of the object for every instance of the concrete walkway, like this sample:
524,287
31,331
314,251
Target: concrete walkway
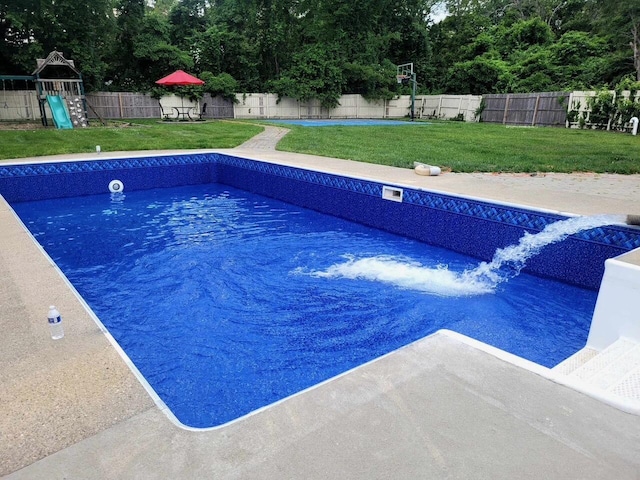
266,140
577,193
436,409
439,408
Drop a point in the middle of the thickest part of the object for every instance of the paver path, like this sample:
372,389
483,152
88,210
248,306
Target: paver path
266,140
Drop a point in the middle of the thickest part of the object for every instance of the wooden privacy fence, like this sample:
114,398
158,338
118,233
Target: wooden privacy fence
533,109
19,105
123,105
217,107
119,105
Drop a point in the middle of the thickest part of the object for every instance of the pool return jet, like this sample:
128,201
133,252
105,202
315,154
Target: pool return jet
483,279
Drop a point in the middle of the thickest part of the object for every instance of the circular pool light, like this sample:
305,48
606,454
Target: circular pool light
116,186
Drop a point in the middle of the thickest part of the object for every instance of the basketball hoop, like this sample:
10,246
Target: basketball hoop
405,76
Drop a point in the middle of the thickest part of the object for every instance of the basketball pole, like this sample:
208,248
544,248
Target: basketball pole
413,96
405,71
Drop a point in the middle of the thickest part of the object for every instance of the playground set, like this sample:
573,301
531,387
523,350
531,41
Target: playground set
60,91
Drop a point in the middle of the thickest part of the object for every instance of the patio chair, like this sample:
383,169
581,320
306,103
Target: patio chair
165,115
203,111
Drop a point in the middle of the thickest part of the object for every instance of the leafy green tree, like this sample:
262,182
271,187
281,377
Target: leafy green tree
329,47
371,81
153,56
276,36
221,51
317,73
522,35
534,71
619,23
454,40
625,18
223,85
18,52
187,18
130,18
479,76
82,31
163,7
579,60
410,23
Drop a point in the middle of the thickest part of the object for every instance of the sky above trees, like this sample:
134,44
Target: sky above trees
323,48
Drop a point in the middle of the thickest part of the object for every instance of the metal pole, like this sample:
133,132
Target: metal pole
413,95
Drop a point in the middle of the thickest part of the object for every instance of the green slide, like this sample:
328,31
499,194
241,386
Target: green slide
59,112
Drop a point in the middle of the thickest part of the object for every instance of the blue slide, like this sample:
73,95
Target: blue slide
59,112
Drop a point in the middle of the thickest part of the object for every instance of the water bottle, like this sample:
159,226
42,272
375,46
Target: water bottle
55,323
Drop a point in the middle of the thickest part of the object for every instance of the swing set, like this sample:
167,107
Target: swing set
59,89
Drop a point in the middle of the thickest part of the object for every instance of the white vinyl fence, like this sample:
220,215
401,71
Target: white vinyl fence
450,106
578,101
266,106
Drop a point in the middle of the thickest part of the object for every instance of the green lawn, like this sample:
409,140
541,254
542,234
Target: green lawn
469,147
458,146
117,136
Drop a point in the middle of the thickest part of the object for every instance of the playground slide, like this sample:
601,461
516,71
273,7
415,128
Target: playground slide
59,112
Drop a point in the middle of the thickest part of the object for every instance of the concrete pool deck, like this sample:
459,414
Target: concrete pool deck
439,408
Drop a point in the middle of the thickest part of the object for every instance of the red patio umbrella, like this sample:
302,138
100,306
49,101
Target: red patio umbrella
179,78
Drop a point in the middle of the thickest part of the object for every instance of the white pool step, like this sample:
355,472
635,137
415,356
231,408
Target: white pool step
615,371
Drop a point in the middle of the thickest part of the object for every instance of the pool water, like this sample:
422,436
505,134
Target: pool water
225,300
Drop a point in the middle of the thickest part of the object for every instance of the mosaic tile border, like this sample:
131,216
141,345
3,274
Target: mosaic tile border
309,176
610,235
619,237
27,170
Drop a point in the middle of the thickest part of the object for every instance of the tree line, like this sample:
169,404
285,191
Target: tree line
324,48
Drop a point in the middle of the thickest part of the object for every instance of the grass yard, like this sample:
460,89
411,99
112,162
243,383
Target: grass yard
473,147
118,136
456,146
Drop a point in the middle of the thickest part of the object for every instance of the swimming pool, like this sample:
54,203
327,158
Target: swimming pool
468,226
228,301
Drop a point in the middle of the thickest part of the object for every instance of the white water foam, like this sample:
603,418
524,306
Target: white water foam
506,263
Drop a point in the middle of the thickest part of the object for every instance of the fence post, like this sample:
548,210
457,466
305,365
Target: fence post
609,121
25,102
506,109
535,111
120,103
29,103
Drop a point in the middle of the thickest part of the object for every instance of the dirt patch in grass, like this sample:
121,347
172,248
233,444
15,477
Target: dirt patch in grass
39,126
21,125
